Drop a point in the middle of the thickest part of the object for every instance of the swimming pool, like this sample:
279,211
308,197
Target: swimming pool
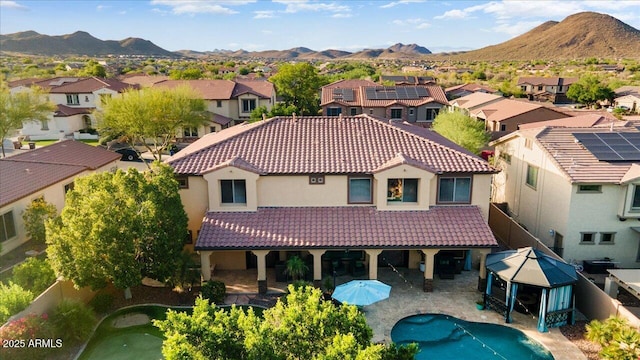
446,337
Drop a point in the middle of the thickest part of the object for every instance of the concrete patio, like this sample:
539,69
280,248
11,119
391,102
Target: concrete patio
455,297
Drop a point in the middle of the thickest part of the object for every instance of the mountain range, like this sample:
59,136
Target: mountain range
581,35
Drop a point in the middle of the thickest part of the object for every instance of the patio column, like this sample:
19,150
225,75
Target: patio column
611,287
205,265
429,262
373,263
482,272
262,270
317,266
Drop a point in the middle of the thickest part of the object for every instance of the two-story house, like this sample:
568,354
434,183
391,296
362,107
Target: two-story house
415,104
454,92
575,188
46,173
76,98
553,89
469,103
227,102
507,115
333,186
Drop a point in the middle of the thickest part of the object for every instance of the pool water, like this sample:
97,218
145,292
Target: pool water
446,337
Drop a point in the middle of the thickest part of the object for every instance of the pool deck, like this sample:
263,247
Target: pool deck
455,297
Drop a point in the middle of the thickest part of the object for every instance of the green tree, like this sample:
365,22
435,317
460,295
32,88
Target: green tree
17,109
34,217
300,327
296,268
93,68
34,274
279,109
13,299
119,227
589,90
299,85
462,130
151,117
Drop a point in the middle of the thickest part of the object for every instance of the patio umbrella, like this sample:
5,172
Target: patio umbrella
361,292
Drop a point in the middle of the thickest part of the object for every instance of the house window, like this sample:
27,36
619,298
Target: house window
396,113
503,127
412,111
334,111
233,191
248,105
589,188
316,179
183,182
431,114
69,187
219,103
73,99
454,190
190,132
532,176
360,190
370,111
44,124
7,226
607,238
635,203
354,111
523,88
402,190
540,87
587,238
86,98
528,143
506,157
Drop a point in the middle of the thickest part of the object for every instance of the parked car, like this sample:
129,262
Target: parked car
129,155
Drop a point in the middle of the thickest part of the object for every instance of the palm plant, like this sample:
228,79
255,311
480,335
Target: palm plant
296,268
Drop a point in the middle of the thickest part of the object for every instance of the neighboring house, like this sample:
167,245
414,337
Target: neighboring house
575,188
76,99
552,89
48,173
333,190
458,91
408,79
228,102
628,96
506,115
469,103
584,120
414,104
143,80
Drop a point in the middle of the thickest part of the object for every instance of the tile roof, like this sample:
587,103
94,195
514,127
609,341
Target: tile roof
64,110
549,81
470,87
587,120
220,119
476,99
344,227
222,89
72,85
261,88
507,109
26,173
436,94
325,145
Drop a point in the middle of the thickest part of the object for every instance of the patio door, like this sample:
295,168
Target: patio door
558,248
395,258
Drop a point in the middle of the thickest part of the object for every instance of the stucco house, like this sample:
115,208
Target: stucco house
75,97
457,91
468,104
333,189
553,89
506,115
228,102
47,173
575,188
628,96
415,104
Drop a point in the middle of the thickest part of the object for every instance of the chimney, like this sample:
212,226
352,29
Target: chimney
340,117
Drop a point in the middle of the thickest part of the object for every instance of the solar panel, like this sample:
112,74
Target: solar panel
611,146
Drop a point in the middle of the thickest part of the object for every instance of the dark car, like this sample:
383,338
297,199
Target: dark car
129,155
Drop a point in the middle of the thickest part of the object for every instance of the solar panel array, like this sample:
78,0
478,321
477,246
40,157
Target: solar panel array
611,146
343,94
396,93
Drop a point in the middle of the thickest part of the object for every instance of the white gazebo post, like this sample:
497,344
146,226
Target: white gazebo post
317,266
373,262
205,265
262,270
429,262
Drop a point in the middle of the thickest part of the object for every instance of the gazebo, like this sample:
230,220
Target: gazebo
532,268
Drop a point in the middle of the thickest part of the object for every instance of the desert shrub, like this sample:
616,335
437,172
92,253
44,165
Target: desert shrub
34,274
21,331
73,320
101,303
619,340
214,291
13,299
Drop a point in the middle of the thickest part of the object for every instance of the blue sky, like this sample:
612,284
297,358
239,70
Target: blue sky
254,25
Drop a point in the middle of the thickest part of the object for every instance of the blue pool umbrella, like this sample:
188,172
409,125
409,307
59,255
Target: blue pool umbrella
361,292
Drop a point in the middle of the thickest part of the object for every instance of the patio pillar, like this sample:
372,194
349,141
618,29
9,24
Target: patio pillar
429,262
373,263
262,270
611,287
317,266
205,265
482,272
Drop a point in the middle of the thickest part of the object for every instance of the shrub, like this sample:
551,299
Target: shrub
34,274
13,299
73,319
618,339
22,330
101,303
34,217
214,291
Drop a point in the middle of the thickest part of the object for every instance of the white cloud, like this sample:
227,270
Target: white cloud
416,23
341,15
102,7
400,2
454,14
295,6
516,29
264,14
12,5
201,6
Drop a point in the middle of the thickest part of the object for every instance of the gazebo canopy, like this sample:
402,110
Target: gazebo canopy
531,267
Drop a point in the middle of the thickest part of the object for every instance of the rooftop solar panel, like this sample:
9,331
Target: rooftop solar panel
611,146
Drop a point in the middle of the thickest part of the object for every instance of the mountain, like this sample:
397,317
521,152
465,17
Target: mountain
582,35
412,49
78,43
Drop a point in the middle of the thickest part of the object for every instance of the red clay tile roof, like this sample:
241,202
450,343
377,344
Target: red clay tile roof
29,172
220,119
476,99
325,145
507,109
344,227
548,81
261,88
89,85
436,94
587,120
64,110
222,89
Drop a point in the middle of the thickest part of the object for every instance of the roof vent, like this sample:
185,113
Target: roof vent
293,117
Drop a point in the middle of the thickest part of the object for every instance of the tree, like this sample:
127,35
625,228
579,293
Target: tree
119,227
300,327
279,109
17,109
93,68
296,268
34,274
462,130
151,117
299,85
589,90
34,217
